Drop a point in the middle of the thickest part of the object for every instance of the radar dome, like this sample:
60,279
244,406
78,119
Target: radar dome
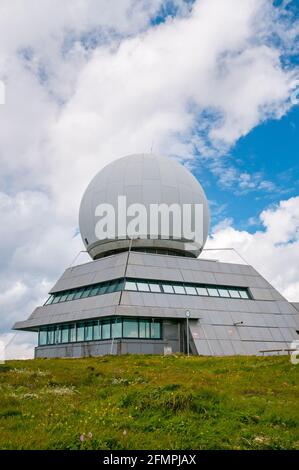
150,184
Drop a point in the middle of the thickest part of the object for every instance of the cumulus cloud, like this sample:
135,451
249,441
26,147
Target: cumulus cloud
102,79
273,251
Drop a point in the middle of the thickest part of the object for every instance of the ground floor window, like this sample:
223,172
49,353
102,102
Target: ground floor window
107,328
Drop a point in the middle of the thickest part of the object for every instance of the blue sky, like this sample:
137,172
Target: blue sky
270,150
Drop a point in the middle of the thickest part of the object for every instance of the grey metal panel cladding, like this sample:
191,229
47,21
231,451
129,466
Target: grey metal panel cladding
68,317
94,271
286,307
63,311
261,294
181,263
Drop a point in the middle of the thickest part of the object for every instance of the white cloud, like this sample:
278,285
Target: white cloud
17,346
273,251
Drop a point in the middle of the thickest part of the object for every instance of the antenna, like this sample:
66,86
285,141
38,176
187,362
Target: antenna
227,249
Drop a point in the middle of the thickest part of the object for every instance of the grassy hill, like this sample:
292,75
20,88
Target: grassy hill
150,402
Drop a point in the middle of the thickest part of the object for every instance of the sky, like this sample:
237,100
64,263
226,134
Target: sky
211,83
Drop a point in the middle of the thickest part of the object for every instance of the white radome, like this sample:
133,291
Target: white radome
145,179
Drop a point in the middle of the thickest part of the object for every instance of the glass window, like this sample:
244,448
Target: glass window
71,295
116,327
50,336
144,329
111,287
93,291
86,292
80,332
167,288
143,287
64,296
65,334
106,333
213,292
155,329
130,285
78,294
234,293
58,335
97,331
72,329
202,291
56,298
102,288
154,287
190,290
119,284
179,289
223,293
42,337
50,300
130,328
88,331
244,294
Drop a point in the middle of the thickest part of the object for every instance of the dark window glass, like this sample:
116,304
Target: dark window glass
120,284
143,286
64,296
102,288
154,287
94,291
202,291
73,335
111,287
71,295
106,333
234,293
56,298
130,328
155,329
97,330
116,327
58,335
179,289
144,329
65,334
78,294
223,293
167,288
42,337
213,292
86,292
50,300
130,285
51,336
80,332
244,294
88,331
190,290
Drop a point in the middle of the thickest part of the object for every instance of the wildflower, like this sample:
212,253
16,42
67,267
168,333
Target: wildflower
82,437
89,435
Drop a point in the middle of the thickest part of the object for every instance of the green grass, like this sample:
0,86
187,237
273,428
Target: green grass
150,402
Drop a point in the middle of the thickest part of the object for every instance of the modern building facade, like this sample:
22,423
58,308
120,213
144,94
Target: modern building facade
136,294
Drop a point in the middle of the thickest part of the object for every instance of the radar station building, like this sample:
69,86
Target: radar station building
140,294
